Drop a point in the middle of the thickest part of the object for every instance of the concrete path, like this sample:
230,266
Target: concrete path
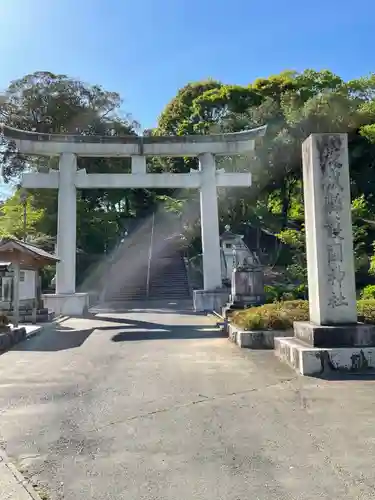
13,485
156,405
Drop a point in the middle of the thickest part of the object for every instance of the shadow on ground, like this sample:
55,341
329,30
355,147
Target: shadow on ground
61,337
337,376
167,333
57,338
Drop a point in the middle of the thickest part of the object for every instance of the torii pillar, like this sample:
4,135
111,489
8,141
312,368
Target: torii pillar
210,222
66,225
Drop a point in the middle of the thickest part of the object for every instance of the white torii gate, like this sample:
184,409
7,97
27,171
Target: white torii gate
68,179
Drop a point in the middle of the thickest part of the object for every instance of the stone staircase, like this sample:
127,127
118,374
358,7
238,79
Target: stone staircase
168,277
128,279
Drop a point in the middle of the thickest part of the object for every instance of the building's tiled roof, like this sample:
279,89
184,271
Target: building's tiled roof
7,243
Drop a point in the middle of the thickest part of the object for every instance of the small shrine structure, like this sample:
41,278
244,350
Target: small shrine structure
20,289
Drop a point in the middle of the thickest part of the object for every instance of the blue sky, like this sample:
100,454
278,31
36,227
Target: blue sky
147,49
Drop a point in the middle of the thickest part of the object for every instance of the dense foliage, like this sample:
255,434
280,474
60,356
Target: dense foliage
45,102
293,105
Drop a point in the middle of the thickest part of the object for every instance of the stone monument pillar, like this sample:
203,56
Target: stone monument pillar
332,338
328,222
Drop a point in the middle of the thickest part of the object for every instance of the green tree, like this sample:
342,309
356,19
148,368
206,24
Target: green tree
18,218
49,103
293,105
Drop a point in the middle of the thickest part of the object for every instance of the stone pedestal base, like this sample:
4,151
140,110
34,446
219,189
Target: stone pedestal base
356,335
247,283
317,349
315,361
244,301
76,304
210,300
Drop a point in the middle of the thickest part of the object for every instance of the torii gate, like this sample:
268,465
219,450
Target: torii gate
67,179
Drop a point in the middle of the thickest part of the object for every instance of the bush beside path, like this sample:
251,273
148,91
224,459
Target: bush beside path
281,315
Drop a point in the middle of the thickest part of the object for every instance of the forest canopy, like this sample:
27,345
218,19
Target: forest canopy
292,104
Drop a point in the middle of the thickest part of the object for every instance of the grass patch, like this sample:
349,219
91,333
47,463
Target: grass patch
281,315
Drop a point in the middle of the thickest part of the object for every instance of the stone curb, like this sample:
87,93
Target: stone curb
10,339
14,337
255,339
251,339
20,482
217,315
59,319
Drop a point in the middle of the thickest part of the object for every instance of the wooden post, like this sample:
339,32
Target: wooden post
16,293
36,298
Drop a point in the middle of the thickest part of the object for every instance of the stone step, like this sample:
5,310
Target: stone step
161,288
28,318
168,284
169,276
172,282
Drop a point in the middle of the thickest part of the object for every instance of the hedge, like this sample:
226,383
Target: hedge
281,315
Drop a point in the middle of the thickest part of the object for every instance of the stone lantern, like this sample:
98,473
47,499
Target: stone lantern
235,254
229,242
241,270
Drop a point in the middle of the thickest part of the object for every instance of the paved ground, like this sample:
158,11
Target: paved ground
156,405
13,486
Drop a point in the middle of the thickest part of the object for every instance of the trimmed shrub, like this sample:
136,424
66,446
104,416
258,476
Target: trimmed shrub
276,316
366,311
368,292
281,315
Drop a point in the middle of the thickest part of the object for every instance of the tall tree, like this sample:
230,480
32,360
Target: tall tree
19,218
49,103
293,105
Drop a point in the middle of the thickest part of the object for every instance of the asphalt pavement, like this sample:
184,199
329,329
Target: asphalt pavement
156,404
